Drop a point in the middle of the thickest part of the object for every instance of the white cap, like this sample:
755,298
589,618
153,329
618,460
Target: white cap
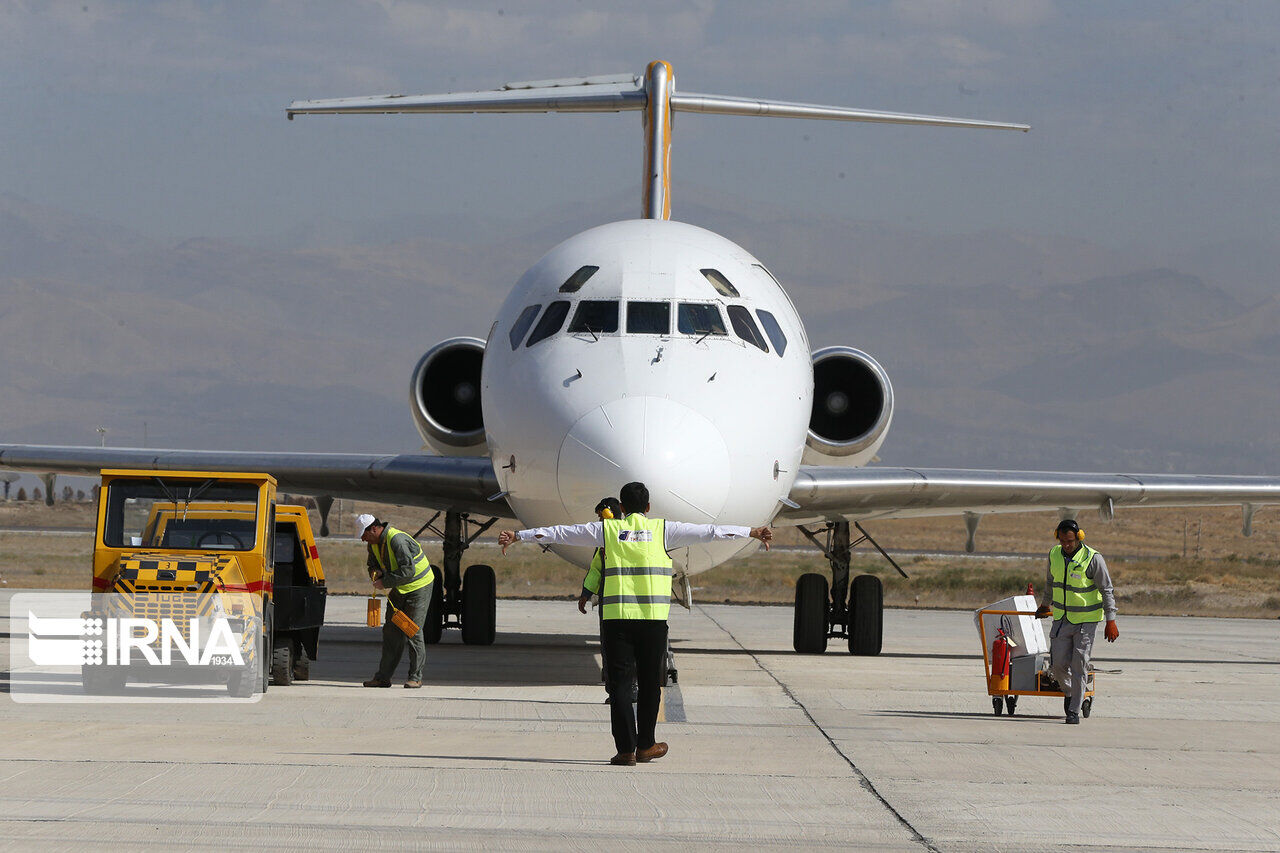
363,520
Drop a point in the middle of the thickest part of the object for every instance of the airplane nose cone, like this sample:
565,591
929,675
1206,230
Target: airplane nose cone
676,452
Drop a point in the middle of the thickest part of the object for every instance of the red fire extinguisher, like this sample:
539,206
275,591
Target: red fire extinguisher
1000,661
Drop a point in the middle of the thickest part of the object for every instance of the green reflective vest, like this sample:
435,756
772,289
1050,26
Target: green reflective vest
386,556
637,569
1074,593
591,583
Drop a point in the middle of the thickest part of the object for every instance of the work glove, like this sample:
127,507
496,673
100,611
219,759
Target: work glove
1044,611
1111,632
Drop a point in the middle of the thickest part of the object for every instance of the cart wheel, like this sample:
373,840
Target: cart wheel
996,705
1086,706
1010,702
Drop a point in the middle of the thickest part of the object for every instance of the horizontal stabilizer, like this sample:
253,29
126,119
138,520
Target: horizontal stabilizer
546,96
729,106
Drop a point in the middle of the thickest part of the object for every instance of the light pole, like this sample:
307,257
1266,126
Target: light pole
102,436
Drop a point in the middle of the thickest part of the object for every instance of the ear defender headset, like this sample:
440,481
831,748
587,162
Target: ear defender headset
605,512
1068,525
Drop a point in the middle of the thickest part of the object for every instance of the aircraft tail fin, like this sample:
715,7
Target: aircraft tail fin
653,93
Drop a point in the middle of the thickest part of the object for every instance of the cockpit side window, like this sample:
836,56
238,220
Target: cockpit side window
595,315
522,324
648,318
744,327
773,330
720,283
574,282
552,320
694,318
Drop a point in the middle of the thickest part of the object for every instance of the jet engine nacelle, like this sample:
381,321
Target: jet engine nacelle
444,396
852,407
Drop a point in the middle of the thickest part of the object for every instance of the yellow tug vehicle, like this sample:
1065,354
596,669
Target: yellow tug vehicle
196,549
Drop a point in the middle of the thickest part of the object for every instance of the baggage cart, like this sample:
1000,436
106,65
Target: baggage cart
1037,682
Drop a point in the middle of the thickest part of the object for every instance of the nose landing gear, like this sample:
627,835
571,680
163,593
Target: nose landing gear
467,602
821,612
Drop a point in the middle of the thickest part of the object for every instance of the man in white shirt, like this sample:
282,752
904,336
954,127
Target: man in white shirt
635,600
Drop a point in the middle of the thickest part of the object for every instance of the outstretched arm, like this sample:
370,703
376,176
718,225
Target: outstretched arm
680,533
589,534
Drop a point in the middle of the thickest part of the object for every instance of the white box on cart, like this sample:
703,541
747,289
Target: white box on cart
1024,631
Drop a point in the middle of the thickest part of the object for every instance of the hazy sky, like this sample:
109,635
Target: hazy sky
1154,122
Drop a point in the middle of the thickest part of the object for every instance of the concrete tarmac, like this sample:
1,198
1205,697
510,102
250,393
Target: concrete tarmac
507,747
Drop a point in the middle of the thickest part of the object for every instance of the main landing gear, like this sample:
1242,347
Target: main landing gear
469,601
822,612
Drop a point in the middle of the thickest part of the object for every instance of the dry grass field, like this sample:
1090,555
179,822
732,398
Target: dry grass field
1168,562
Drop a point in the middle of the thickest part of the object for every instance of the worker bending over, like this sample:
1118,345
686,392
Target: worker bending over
636,598
1080,596
397,564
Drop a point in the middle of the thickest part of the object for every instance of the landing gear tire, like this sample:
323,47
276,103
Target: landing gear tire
997,705
282,663
434,629
1010,702
1086,706
809,631
866,615
479,606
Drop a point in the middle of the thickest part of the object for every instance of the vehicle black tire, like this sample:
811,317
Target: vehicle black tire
282,663
1086,706
301,663
866,615
996,705
809,629
1010,703
252,677
434,629
479,606
267,650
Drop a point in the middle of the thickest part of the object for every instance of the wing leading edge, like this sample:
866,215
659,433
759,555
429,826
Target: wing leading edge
826,492
465,484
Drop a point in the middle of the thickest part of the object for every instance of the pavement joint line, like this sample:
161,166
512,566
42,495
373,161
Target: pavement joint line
863,779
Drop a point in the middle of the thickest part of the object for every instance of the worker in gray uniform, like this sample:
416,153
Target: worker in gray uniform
1080,596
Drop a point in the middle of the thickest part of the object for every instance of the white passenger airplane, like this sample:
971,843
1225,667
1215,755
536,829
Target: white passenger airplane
658,351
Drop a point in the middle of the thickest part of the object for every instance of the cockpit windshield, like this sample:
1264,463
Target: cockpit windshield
700,319
599,316
648,318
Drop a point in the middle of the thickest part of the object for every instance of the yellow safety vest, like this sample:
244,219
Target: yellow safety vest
1074,592
591,583
637,569
383,553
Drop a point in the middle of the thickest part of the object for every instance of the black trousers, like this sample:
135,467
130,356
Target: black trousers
639,647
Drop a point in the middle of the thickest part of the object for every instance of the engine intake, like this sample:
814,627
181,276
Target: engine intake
852,407
444,396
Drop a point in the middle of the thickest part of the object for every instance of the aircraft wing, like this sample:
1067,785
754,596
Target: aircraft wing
465,484
825,492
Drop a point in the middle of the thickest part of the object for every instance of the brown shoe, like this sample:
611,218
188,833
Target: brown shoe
624,759
656,751
377,682
412,684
